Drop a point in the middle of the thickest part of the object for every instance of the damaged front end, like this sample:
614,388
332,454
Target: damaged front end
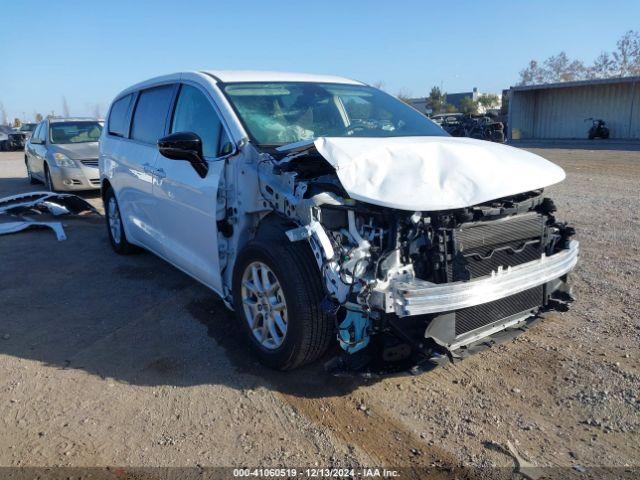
409,287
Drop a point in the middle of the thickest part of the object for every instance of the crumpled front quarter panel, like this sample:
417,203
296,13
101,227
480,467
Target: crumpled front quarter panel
434,173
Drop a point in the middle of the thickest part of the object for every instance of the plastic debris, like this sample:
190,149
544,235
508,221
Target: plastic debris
19,225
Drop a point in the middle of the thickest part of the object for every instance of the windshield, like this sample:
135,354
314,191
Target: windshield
28,127
75,132
280,113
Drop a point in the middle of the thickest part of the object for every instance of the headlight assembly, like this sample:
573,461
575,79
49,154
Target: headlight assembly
63,161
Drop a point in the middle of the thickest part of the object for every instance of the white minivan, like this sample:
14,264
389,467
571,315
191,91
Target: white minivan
323,210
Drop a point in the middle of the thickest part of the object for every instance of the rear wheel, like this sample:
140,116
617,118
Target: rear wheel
115,230
277,294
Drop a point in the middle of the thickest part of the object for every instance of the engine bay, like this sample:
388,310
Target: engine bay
365,251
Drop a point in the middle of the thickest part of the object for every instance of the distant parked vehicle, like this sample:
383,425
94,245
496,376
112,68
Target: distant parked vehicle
3,138
27,129
474,126
441,118
15,140
598,128
63,154
12,139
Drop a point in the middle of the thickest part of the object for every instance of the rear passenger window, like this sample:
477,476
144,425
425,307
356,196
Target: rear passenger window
151,114
118,124
195,113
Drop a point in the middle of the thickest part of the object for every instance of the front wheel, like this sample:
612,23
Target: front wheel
277,294
32,179
48,181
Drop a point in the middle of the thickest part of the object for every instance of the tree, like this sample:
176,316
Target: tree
533,74
489,100
627,58
604,66
17,123
448,108
65,106
468,105
623,62
436,100
560,68
38,117
404,96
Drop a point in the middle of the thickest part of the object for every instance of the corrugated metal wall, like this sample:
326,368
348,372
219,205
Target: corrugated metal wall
560,112
521,112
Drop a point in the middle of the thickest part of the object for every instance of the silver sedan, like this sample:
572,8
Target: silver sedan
63,154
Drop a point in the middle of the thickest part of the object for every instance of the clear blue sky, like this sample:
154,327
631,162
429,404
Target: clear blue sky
89,51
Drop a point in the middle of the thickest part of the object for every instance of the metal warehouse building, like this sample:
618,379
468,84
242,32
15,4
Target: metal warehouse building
559,110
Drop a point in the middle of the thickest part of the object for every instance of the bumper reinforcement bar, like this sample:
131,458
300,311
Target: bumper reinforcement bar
419,297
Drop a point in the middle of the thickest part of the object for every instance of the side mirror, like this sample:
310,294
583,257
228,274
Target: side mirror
184,146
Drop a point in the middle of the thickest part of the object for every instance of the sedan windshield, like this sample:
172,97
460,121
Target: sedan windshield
279,113
28,127
75,132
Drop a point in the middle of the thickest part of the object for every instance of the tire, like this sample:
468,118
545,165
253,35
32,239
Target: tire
48,182
309,330
32,179
115,230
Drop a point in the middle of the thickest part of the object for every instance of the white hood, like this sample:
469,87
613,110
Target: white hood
434,173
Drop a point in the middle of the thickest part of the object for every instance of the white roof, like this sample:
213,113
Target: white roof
230,76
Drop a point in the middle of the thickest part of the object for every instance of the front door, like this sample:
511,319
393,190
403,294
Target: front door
188,202
37,151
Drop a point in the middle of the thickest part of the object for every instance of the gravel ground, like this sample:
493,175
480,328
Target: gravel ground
106,360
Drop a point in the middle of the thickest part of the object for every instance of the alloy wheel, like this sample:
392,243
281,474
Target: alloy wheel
48,181
264,305
115,226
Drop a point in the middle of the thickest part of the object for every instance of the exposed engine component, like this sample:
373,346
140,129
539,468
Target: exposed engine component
380,262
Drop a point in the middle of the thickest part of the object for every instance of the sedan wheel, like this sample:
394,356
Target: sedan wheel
264,305
48,182
32,180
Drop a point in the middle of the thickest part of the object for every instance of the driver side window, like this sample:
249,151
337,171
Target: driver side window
195,113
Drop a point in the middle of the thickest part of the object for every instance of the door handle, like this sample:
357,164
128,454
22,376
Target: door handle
147,168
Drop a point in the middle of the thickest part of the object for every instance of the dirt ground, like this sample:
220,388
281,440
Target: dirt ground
109,360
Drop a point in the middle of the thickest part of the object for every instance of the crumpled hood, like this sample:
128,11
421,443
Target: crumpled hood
77,151
434,173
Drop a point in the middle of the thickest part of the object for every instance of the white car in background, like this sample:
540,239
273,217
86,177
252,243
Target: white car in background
321,209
